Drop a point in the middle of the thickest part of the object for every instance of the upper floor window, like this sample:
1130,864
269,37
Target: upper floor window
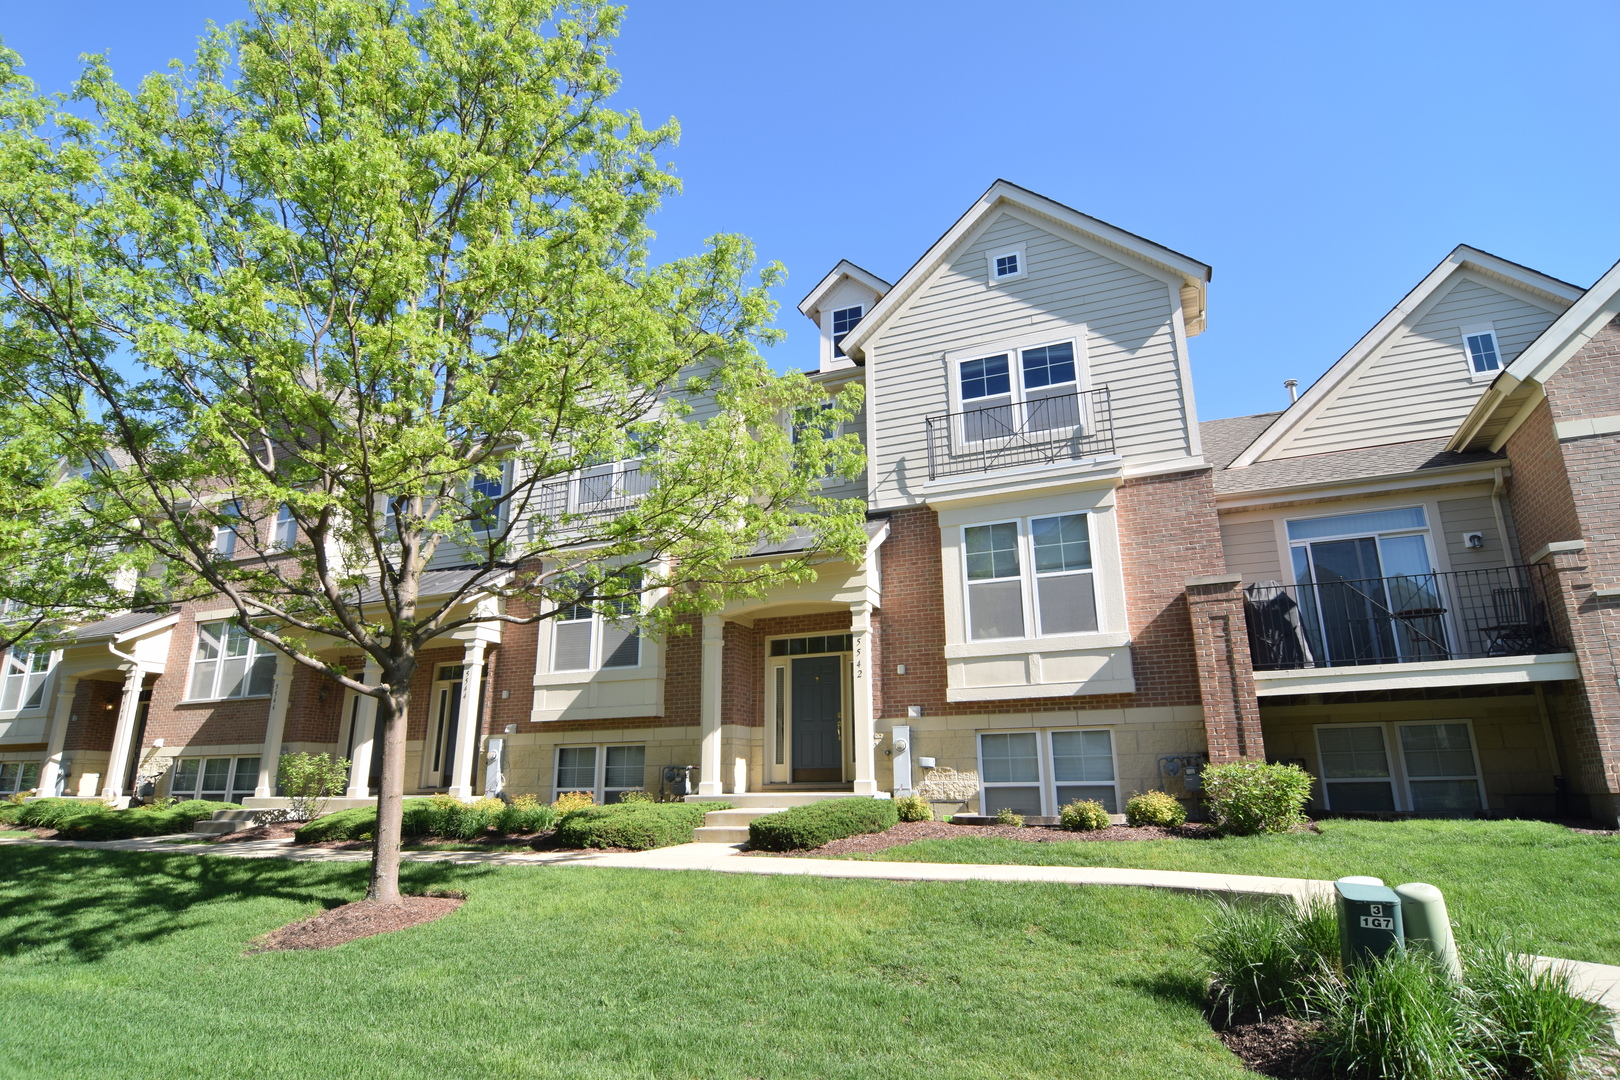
1484,357
843,321
487,490
225,533
1006,264
25,675
285,533
1040,567
228,663
1028,390
584,639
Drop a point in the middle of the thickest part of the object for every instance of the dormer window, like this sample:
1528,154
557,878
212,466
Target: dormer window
1007,264
1484,357
843,321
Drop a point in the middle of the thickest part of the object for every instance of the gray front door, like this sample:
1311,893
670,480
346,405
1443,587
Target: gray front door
817,707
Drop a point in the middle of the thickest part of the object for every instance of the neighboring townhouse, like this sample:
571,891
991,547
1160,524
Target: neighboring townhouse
1072,588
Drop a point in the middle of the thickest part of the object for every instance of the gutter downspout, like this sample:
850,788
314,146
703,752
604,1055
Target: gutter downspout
1498,489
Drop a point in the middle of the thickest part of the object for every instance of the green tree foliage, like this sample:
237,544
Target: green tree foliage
385,266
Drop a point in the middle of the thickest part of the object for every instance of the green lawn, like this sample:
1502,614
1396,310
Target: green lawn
131,963
1560,887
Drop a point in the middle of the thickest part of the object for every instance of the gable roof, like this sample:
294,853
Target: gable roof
810,306
1516,390
1225,439
117,627
1194,275
1406,459
1549,290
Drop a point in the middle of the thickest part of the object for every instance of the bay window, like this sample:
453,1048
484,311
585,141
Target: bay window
25,675
229,664
584,639
1038,565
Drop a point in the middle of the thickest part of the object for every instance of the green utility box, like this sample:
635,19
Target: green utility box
1369,921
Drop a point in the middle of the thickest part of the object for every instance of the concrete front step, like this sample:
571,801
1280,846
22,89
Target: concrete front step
720,834
780,800
224,821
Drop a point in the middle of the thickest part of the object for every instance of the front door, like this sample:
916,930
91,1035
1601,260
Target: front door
442,724
818,695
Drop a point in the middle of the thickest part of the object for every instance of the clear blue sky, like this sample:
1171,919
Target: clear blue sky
1321,157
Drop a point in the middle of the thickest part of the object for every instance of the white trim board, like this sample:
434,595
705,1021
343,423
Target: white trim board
1491,671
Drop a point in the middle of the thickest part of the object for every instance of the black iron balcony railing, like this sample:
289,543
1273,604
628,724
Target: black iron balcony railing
1462,615
595,495
1069,426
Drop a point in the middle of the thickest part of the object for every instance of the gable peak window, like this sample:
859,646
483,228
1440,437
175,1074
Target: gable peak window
843,321
1483,352
1007,264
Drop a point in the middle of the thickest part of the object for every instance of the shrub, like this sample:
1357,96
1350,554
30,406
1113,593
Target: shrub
10,812
309,781
526,814
1084,815
573,800
1537,1026
815,824
52,813
1248,797
1155,808
1401,1015
102,823
914,808
635,825
1008,816
1267,957
636,795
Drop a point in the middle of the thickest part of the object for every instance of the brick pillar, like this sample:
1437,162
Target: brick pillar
1225,674
1590,624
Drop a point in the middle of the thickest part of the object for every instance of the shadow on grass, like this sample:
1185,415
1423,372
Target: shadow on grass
1179,988
94,903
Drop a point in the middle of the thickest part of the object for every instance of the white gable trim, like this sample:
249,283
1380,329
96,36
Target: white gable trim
1465,262
810,306
972,223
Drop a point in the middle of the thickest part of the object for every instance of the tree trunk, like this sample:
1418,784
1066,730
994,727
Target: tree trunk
392,709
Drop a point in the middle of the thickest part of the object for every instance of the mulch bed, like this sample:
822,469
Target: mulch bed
540,841
908,832
1277,1046
363,918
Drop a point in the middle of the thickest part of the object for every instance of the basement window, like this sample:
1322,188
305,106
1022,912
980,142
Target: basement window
219,779
603,772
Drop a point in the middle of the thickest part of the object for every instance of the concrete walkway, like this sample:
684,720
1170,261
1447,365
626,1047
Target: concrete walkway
1596,982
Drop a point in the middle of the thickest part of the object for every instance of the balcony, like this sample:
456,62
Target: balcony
1408,619
1071,426
597,494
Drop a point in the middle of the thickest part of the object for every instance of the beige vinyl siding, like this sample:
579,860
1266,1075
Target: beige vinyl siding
1251,549
1420,386
1473,514
850,489
1130,346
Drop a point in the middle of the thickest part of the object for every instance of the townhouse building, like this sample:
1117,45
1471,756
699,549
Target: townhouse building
1407,581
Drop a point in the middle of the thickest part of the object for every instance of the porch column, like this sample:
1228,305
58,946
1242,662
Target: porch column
1225,672
123,734
472,681
365,736
710,781
51,777
275,728
860,628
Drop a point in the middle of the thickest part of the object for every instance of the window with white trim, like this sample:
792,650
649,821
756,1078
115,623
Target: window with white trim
25,675
1038,565
16,776
229,664
1036,772
1012,393
1006,264
485,495
584,638
843,321
603,772
1422,767
1483,352
284,533
225,534
216,779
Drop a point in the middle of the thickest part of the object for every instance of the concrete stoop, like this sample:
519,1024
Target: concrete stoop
731,826
224,821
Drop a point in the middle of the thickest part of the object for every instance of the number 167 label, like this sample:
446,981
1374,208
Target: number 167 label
1373,922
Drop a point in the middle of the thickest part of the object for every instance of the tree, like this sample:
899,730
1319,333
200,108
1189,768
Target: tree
383,272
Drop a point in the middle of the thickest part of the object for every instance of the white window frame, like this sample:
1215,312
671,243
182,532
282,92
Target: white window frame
1018,394
994,255
238,780
15,776
1045,767
256,651
832,326
503,503
226,536
20,671
595,660
1480,330
599,789
284,532
1029,577
1400,778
